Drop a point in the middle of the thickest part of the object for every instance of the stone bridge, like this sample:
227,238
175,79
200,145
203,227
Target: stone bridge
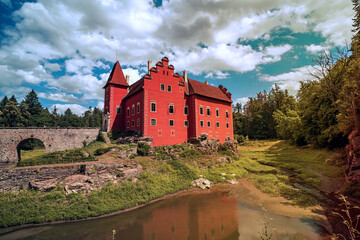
54,139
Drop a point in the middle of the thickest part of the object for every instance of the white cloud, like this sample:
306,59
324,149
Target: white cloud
242,100
315,48
61,97
19,92
217,75
75,108
134,74
100,105
278,50
291,80
53,67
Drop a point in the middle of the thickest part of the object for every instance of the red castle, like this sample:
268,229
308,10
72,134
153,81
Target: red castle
167,106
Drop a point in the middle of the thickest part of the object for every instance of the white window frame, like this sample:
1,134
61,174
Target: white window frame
138,122
151,121
168,88
173,107
226,113
133,123
162,85
217,112
138,107
201,107
151,102
128,124
208,124
173,121
133,109
217,125
128,111
227,125
208,112
118,109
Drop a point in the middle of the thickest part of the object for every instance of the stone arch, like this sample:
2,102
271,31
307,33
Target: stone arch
23,141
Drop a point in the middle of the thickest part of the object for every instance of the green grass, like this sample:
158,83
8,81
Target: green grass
27,154
30,206
68,156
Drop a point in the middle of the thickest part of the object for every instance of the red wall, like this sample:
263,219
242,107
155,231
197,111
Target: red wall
213,132
113,97
128,103
162,133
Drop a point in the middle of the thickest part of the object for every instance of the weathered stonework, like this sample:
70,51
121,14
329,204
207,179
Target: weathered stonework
44,178
54,139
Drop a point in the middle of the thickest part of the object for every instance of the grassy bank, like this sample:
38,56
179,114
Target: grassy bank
266,163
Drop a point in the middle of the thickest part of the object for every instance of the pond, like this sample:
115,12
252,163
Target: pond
206,215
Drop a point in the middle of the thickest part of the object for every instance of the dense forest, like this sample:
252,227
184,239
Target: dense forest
30,113
323,113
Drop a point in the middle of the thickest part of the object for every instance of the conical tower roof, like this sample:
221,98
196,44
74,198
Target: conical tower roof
117,76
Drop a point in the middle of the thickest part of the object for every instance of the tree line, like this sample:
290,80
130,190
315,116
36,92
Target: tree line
30,113
324,111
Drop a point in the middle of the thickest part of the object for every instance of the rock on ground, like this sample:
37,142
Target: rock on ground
202,183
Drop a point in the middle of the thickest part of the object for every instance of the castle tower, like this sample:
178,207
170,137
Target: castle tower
116,88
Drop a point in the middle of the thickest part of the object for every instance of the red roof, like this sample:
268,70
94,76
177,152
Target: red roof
135,87
199,88
117,76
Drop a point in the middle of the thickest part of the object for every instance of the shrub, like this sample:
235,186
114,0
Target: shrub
143,150
102,151
241,138
100,137
190,153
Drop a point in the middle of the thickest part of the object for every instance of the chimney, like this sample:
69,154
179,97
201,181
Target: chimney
149,66
207,82
127,79
185,76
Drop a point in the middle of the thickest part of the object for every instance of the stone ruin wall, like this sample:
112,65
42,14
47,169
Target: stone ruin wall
54,139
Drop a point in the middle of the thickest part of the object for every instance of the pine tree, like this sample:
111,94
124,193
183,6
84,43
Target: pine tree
3,102
32,100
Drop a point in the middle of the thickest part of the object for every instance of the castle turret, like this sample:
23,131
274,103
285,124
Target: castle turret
116,88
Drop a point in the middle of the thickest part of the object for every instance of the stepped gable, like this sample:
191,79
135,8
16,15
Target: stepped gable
199,88
116,76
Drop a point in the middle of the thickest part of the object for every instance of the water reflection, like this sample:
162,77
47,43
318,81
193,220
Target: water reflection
205,216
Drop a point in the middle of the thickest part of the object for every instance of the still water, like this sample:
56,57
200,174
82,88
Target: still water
205,216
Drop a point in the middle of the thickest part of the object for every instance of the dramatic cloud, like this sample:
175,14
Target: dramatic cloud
66,46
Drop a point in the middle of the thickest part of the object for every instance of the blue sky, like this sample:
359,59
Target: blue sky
64,50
